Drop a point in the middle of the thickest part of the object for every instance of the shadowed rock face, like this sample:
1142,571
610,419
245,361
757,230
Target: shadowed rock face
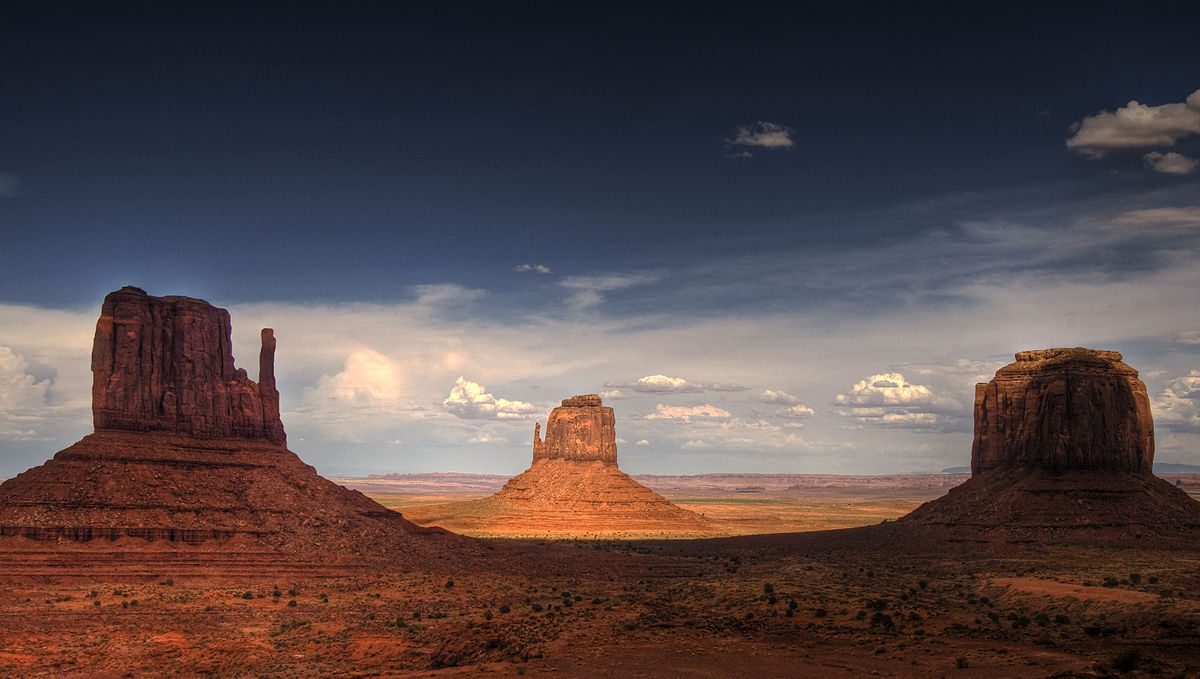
581,429
1063,409
166,364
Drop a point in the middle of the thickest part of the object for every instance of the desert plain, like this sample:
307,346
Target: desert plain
803,601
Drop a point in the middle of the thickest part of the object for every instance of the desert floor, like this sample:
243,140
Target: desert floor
808,604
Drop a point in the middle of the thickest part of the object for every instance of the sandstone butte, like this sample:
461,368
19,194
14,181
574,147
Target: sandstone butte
1064,445
188,465
573,487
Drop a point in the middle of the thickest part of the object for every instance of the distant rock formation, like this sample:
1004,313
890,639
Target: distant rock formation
573,488
1063,409
166,364
188,450
1064,448
582,429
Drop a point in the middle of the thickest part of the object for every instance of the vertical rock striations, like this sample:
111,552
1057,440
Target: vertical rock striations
1064,448
581,429
1063,409
166,364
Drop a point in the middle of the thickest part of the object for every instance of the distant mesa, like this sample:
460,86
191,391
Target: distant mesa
572,488
1064,445
187,451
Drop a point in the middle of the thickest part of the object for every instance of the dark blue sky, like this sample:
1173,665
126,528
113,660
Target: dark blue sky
342,152
786,199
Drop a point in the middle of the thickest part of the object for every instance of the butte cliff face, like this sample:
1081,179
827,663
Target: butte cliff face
1064,446
189,451
581,429
1063,409
166,364
573,488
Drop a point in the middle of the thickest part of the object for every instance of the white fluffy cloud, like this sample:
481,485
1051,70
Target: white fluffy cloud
1160,217
471,401
763,135
534,268
23,398
1170,162
889,400
662,384
684,414
1136,125
368,377
798,412
1177,406
778,397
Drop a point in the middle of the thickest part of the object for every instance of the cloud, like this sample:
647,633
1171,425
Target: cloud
1169,163
471,401
10,186
662,384
589,289
799,412
685,414
778,397
444,295
535,268
368,378
642,442
1186,336
23,398
1136,125
762,135
695,443
889,400
612,394
1177,406
1160,216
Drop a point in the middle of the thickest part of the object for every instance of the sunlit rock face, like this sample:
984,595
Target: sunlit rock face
166,364
1063,409
581,429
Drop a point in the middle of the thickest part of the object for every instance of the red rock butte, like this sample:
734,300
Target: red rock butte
573,488
1064,446
188,468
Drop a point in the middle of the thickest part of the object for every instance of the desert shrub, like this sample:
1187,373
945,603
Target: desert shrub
537,608
449,584
247,595
133,602
961,663
789,612
487,615
877,604
820,612
1061,619
124,604
881,619
1109,581
768,588
293,592
860,615
324,597
276,594
505,608
1126,661
922,584
1152,580
1135,578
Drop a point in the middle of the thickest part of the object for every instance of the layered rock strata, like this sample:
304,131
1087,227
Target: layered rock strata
189,451
1064,446
166,364
581,429
572,489
1063,409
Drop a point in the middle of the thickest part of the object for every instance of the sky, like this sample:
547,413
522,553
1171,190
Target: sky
774,239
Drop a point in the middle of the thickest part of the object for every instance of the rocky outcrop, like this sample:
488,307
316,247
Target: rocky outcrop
581,429
166,364
1063,450
572,489
188,451
1063,409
